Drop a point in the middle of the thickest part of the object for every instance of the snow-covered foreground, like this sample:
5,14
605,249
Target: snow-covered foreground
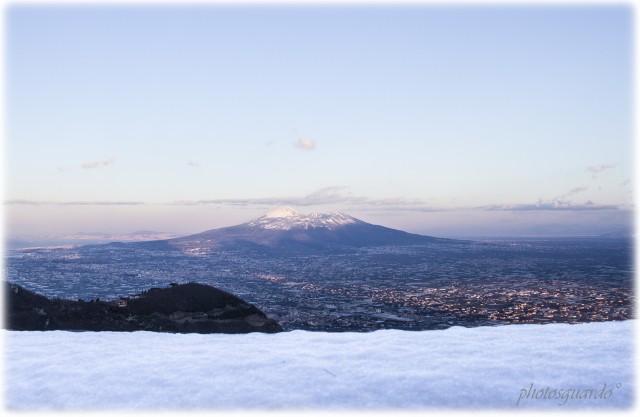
486,367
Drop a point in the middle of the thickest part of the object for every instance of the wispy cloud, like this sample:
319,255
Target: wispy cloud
574,191
559,203
95,164
192,164
550,206
339,195
305,144
103,203
323,196
599,168
73,203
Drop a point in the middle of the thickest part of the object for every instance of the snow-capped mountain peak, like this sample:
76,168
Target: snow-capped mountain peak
282,212
286,218
285,230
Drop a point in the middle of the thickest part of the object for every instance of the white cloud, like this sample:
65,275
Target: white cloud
95,164
192,164
305,144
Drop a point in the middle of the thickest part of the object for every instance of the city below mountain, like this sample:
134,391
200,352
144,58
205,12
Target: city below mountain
284,229
333,272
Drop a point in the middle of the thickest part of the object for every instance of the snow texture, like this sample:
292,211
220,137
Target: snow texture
459,368
286,218
280,212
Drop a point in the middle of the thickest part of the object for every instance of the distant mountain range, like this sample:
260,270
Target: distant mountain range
91,238
284,229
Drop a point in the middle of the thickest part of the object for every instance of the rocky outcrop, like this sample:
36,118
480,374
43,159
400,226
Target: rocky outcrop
184,308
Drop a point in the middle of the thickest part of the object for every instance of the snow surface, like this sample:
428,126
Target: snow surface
284,211
286,218
483,367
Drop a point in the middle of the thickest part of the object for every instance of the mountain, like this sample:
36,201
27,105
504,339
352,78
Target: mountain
286,230
181,308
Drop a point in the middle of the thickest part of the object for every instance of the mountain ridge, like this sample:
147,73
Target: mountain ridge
181,308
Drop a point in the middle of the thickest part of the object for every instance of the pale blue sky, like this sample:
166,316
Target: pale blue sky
444,120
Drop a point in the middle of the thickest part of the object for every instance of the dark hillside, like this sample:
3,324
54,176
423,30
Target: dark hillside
185,308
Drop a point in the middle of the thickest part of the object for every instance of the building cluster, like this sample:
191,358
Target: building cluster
414,287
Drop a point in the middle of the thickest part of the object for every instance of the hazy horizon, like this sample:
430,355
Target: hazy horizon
446,121
98,236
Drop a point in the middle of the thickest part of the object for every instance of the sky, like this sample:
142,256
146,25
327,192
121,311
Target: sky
443,120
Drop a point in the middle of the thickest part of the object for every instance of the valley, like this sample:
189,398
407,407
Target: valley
426,286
